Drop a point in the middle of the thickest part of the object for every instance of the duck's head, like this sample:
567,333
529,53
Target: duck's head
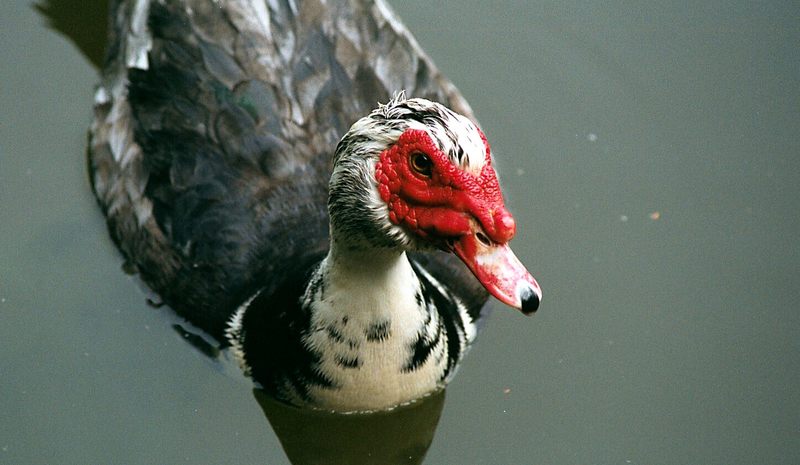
415,175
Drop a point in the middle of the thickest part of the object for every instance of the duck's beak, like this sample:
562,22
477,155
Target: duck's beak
499,270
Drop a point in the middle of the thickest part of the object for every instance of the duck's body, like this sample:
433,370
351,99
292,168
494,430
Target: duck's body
211,156
398,339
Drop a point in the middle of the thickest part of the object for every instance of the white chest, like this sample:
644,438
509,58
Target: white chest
376,340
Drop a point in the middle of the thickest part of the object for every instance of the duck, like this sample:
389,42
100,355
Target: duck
343,249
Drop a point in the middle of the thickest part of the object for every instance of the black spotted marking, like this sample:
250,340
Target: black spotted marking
459,154
422,348
334,334
346,361
379,331
451,327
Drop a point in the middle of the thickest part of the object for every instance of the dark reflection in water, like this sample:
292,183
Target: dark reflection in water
401,436
85,23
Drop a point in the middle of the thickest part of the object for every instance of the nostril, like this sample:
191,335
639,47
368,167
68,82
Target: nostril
483,239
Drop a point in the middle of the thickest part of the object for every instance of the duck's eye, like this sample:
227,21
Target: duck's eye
421,163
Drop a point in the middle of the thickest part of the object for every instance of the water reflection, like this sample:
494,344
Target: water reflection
84,23
400,436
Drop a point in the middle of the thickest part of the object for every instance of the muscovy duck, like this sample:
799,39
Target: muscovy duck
325,256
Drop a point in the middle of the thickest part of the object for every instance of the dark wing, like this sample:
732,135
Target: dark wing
215,127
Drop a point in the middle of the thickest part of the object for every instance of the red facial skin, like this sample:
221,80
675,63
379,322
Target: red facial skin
455,210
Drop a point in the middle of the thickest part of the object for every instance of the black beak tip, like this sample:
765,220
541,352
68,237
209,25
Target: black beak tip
530,302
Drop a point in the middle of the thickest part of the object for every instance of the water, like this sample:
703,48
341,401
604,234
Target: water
650,152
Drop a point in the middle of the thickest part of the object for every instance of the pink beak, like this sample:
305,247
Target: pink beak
499,270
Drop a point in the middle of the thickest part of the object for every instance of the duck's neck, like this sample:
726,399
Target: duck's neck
369,319
369,286
357,262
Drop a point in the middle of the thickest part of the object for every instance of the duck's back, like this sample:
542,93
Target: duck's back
215,127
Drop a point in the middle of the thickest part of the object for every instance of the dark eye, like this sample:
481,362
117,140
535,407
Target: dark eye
421,163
